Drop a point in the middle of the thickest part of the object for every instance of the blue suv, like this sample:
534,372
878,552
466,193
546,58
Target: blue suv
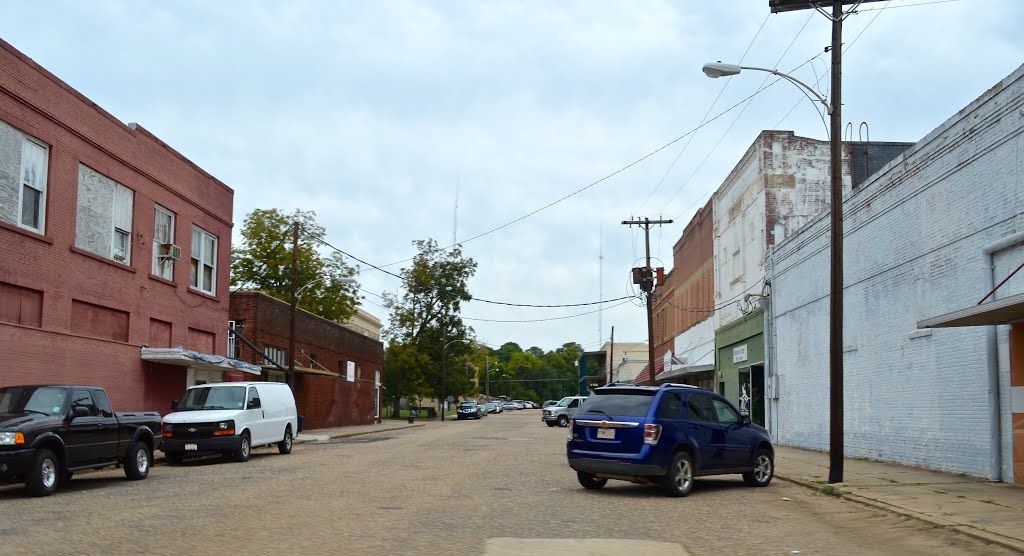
665,435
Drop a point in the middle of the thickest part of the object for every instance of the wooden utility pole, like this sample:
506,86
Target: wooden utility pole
295,301
645,277
835,348
611,357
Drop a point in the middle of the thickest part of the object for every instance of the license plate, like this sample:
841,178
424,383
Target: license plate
606,433
191,446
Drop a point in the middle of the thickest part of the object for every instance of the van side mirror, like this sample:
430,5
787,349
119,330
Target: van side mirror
79,411
174,405
254,403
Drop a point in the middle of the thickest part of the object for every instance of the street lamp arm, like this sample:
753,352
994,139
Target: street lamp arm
795,81
715,70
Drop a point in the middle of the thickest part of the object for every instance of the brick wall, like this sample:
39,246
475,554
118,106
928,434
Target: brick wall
913,249
36,103
323,401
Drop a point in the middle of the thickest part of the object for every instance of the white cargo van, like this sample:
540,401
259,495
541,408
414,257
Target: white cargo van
230,418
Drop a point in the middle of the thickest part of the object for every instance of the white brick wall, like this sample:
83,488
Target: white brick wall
913,243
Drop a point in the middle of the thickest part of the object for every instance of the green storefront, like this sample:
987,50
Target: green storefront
739,362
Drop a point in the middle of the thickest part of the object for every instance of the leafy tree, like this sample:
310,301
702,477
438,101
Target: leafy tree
263,261
425,318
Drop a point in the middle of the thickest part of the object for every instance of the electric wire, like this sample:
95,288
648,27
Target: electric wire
548,319
704,117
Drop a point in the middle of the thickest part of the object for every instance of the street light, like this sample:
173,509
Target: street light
835,348
444,372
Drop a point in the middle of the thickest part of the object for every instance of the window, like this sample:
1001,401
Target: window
671,406
104,216
163,238
32,198
700,408
275,355
253,400
82,398
204,261
726,414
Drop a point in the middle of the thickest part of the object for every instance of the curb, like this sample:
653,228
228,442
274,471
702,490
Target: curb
363,433
973,532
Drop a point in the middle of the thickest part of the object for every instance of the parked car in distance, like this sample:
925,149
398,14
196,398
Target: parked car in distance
560,413
491,407
665,435
498,405
47,433
230,418
510,406
469,410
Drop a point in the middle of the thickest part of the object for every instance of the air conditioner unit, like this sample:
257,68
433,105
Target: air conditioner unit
170,251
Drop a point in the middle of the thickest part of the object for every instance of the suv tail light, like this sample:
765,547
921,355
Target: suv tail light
652,433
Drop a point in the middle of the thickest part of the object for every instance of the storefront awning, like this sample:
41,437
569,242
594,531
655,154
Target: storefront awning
1003,311
200,361
682,370
304,370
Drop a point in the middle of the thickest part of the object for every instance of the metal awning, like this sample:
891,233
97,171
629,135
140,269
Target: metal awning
1008,310
201,361
304,370
681,370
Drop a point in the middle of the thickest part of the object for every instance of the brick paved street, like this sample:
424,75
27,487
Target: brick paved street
466,487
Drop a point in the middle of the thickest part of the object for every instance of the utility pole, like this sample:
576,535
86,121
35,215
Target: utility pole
645,277
835,347
294,304
487,380
611,357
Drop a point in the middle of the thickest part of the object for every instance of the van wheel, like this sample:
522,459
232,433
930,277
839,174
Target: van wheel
589,481
136,465
679,479
245,450
563,421
41,479
285,445
764,470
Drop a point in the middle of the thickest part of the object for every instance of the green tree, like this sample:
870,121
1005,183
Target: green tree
425,318
263,261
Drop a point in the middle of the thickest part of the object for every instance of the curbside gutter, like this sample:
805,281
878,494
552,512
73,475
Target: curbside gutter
974,532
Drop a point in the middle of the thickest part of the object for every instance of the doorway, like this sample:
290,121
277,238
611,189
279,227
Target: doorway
751,394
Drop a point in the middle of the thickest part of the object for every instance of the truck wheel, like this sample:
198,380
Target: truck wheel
589,481
136,464
563,421
245,450
41,479
679,479
285,445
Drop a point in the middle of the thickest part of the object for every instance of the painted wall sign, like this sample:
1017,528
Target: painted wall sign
739,353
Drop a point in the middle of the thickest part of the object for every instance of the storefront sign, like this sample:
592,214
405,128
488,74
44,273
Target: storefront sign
739,353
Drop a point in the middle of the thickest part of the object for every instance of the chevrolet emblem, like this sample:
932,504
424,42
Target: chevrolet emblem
193,430
604,424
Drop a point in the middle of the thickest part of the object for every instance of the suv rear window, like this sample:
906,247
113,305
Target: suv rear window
622,403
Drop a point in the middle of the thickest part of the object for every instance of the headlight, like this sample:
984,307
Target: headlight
168,427
225,425
11,438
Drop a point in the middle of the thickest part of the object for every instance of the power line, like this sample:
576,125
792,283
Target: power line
550,306
708,111
549,319
859,10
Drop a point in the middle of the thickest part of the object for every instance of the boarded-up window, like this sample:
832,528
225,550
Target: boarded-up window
97,321
21,305
159,333
201,340
103,222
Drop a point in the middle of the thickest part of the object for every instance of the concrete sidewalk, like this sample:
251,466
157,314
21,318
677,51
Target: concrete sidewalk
990,511
387,425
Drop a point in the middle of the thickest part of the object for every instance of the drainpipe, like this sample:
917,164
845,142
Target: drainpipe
992,359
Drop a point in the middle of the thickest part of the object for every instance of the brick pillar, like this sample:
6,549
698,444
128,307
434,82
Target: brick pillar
1017,399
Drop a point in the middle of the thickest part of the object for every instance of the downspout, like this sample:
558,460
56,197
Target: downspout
992,360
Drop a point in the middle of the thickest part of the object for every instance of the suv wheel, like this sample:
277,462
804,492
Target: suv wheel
589,481
679,479
563,421
764,470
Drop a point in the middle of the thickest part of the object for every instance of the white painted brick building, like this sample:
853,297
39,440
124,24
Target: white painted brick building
914,235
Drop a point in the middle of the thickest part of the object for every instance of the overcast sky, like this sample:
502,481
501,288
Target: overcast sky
378,114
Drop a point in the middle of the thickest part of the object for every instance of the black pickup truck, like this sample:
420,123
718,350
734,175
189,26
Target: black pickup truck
49,432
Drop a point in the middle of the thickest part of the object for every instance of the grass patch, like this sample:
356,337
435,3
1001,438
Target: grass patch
830,490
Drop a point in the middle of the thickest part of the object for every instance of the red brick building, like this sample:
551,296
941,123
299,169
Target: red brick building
338,370
686,300
110,241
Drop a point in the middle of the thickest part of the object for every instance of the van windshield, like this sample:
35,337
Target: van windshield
225,397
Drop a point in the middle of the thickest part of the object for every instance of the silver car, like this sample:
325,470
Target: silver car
560,413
